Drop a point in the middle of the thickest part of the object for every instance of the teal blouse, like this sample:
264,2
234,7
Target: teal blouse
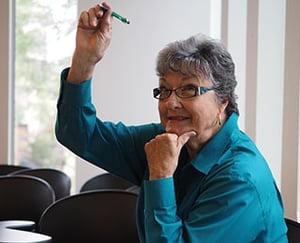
226,194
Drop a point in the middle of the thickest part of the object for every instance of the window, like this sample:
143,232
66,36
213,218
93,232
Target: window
44,41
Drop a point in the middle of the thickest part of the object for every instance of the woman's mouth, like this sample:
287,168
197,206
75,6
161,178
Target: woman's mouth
177,118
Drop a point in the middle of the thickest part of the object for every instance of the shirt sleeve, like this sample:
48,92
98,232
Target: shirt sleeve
114,147
161,221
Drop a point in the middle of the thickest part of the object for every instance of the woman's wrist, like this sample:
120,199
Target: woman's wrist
81,68
79,75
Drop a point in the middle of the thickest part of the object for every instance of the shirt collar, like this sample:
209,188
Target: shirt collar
212,151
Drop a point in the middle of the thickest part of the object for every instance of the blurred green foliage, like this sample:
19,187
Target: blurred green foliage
40,29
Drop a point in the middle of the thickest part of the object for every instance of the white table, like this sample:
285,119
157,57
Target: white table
13,231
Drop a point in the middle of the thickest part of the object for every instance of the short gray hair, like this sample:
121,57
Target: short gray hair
203,57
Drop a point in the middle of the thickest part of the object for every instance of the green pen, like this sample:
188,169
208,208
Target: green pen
114,14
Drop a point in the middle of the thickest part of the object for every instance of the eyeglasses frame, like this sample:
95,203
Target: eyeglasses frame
199,91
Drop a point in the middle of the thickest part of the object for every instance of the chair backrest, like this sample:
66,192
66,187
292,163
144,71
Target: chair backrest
105,181
94,216
24,197
7,169
58,180
293,230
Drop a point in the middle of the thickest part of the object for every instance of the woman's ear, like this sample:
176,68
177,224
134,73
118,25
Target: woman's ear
223,105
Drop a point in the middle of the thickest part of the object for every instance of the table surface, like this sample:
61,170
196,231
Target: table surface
12,231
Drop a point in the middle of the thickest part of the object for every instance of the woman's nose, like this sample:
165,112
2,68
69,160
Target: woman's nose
173,101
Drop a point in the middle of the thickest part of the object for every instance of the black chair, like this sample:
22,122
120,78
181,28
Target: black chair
93,217
293,230
24,197
105,181
58,180
7,169
136,189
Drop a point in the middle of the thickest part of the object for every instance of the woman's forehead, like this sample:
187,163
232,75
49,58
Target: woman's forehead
182,78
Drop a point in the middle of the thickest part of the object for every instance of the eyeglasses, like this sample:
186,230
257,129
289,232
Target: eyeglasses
186,91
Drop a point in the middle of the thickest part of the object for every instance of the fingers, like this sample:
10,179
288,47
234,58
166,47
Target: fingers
184,138
163,153
94,16
83,19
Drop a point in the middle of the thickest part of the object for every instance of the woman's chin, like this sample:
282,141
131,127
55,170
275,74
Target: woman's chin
175,131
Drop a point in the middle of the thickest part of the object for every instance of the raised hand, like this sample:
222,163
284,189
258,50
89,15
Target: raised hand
94,32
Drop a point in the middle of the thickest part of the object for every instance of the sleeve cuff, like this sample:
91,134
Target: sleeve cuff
159,193
75,94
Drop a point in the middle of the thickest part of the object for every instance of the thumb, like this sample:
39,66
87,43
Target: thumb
184,138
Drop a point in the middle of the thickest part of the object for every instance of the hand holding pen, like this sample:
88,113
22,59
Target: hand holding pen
93,37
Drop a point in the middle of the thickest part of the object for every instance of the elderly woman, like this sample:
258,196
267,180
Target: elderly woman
201,179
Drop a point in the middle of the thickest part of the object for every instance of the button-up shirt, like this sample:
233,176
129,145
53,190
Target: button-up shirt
225,194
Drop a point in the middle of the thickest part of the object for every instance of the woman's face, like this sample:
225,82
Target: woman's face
200,114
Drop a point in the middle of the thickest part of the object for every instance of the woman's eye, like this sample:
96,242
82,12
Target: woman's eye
163,90
188,88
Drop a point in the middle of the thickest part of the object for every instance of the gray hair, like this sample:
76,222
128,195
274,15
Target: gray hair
203,57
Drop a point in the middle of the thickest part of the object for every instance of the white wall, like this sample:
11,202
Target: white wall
125,78
290,135
270,80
